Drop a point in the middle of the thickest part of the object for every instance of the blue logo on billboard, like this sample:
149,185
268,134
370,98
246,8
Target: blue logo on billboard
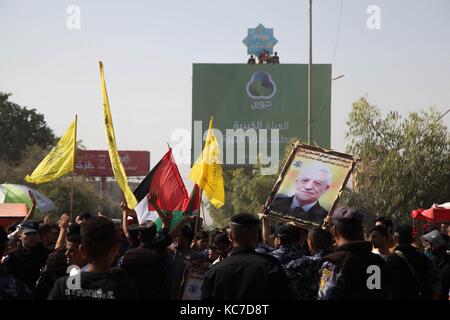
260,88
260,39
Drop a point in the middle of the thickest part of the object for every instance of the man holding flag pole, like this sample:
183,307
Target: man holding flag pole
207,171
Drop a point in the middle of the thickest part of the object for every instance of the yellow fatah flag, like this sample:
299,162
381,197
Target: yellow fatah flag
59,161
207,170
119,171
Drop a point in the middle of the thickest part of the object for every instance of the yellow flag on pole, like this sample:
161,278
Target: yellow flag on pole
119,171
207,170
59,161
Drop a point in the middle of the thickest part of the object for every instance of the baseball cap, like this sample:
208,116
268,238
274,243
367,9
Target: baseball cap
347,215
30,226
434,238
403,229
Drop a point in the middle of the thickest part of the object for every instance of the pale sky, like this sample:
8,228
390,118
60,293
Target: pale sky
148,48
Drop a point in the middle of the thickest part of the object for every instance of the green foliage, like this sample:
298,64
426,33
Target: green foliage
19,128
246,190
86,196
405,162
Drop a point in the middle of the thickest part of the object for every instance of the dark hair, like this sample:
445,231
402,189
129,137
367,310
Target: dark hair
85,216
386,222
187,233
201,235
320,238
381,230
44,229
404,234
133,237
13,227
221,239
242,225
352,231
147,232
213,234
98,236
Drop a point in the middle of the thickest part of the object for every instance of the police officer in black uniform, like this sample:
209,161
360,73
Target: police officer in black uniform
352,271
26,262
245,274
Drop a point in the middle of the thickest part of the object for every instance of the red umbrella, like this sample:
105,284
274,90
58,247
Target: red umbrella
432,215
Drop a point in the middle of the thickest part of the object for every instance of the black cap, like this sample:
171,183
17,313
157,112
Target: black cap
30,226
244,220
403,229
347,215
74,232
3,235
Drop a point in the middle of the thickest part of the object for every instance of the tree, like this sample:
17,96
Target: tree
246,190
21,127
86,197
405,162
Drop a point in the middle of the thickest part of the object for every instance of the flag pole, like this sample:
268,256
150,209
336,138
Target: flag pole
73,168
198,213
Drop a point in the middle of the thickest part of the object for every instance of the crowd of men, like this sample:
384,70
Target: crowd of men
265,57
95,258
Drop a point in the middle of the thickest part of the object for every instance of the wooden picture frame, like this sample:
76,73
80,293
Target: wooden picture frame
304,161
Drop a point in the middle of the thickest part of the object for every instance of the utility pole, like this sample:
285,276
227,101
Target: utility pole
309,75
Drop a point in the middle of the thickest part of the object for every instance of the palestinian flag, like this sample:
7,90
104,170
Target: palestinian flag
172,194
193,206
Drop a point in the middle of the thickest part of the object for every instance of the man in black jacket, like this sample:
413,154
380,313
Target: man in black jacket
245,274
26,262
411,271
352,271
147,265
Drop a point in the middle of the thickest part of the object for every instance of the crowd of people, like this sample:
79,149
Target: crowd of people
265,57
95,258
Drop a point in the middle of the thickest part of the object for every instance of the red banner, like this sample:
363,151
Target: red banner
96,163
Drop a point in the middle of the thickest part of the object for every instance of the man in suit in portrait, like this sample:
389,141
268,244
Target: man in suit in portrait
312,182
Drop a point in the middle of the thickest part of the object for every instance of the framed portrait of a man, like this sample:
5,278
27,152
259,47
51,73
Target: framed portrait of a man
309,185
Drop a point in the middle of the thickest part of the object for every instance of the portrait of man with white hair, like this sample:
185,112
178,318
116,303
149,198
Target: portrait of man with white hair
312,182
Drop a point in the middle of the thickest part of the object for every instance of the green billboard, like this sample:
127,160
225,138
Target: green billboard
258,97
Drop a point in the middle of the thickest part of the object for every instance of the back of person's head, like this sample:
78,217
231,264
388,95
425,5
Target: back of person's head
348,224
85,216
381,229
187,233
212,235
386,222
244,229
133,235
202,235
403,234
147,232
45,230
98,238
319,239
222,240
288,234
